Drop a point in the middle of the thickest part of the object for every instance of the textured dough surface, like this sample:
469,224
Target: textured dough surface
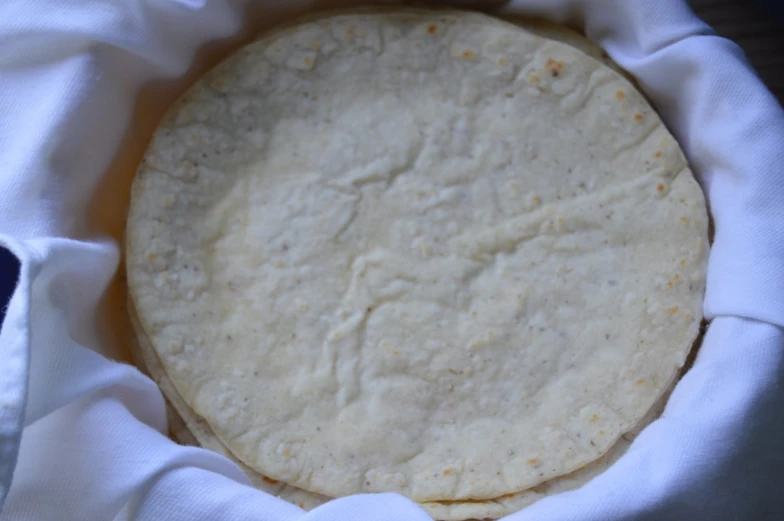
188,428
412,252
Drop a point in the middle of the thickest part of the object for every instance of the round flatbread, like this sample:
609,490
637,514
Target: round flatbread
188,428
416,252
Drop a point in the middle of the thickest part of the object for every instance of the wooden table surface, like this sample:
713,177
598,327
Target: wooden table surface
757,30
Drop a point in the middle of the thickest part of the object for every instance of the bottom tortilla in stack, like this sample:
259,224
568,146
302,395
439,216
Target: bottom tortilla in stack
426,252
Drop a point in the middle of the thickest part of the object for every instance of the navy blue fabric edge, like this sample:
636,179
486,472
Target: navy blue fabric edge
9,277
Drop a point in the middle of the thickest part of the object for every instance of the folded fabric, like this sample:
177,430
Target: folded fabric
82,435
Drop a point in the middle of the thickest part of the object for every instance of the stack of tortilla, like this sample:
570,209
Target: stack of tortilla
417,251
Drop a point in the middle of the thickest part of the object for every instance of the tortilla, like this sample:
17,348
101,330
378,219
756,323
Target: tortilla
187,428
416,252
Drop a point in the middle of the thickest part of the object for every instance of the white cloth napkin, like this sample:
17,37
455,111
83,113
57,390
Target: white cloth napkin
91,429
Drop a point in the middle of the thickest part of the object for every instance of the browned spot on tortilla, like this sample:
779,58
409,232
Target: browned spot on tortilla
554,67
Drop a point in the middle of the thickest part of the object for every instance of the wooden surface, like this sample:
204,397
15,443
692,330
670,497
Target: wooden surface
757,30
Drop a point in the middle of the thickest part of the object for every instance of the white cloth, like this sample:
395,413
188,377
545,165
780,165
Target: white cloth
92,447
